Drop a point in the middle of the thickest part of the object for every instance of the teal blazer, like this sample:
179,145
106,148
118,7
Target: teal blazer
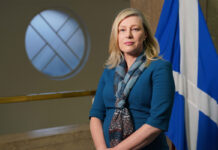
150,101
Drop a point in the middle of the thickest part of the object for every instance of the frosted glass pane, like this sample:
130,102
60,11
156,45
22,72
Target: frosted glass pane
68,29
43,58
43,29
77,43
56,68
55,44
55,18
33,42
67,55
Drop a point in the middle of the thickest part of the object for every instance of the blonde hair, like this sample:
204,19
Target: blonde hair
151,45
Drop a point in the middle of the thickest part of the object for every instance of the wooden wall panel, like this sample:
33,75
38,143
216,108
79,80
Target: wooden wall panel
152,9
212,21
204,4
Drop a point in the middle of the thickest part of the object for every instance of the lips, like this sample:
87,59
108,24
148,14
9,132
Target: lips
128,43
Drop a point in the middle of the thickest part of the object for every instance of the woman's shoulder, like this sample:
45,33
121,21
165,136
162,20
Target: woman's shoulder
107,72
160,63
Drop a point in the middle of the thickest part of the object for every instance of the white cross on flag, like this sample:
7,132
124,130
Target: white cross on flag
185,42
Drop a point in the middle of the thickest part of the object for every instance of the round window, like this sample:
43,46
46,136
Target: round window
57,44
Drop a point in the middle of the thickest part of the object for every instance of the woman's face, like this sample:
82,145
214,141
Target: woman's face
131,35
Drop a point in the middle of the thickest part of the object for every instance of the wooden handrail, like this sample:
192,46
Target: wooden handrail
46,96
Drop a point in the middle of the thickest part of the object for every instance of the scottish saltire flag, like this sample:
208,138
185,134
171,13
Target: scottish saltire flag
185,42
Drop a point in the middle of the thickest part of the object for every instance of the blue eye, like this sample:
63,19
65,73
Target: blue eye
121,30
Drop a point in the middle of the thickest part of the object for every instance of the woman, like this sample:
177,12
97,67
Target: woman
135,94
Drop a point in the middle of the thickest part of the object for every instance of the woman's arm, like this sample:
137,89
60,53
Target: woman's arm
97,133
140,138
97,114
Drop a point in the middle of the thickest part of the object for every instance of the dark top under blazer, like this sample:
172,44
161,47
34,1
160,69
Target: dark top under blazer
150,100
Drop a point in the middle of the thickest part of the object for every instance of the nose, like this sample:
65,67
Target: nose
129,34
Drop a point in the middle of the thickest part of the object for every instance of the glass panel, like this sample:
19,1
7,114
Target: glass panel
55,42
68,29
42,28
43,58
56,68
33,42
55,18
67,55
77,43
